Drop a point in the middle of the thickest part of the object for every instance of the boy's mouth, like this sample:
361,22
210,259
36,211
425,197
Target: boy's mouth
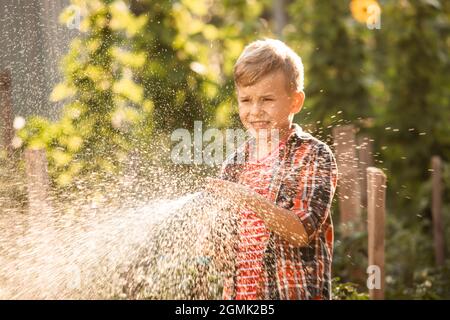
260,124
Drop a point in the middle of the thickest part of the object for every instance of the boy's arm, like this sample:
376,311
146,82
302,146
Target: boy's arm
311,199
279,220
316,187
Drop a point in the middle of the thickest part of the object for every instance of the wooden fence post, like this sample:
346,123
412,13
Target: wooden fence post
279,16
349,190
37,180
376,197
438,224
365,155
6,113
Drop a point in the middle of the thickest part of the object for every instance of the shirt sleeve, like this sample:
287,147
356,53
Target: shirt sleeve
313,185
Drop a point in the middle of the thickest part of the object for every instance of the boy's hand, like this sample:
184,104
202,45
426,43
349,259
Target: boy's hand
280,220
233,191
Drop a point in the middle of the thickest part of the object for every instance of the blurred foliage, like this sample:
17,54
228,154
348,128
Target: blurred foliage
140,69
412,117
350,257
346,291
392,83
334,55
193,45
13,191
428,283
106,108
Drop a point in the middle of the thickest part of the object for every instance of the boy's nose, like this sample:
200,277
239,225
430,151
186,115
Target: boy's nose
255,109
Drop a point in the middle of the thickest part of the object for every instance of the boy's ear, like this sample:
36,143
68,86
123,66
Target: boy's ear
299,98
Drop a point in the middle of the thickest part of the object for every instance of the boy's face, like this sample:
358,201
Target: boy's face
267,105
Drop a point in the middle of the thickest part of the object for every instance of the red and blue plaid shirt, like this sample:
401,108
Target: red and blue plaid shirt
303,179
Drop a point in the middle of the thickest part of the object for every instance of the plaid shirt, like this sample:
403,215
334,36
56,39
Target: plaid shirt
304,178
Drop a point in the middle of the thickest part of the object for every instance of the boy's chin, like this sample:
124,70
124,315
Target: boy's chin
255,131
270,132
263,131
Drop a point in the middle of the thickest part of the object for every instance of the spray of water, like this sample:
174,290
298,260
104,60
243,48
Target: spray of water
162,248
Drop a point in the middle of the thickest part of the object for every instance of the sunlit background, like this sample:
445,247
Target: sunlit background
100,86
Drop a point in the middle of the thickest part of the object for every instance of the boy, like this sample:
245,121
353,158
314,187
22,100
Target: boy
285,232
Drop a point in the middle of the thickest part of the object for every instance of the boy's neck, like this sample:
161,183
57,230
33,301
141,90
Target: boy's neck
273,136
267,144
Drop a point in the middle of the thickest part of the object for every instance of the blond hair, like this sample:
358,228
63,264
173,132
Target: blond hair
262,57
